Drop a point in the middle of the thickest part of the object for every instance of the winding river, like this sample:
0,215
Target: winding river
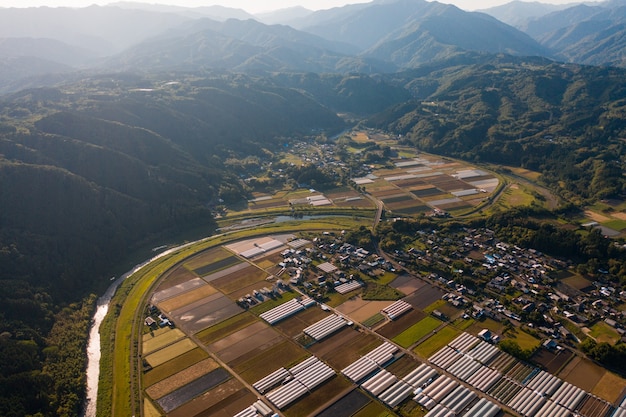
93,345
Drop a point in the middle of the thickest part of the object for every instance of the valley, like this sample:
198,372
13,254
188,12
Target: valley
228,303
461,170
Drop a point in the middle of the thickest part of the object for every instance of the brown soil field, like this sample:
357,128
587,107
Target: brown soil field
407,284
596,217
212,317
217,266
294,325
177,276
583,373
431,193
363,203
454,206
373,409
226,272
403,366
189,297
447,183
619,215
397,198
414,182
242,278
226,327
260,205
238,336
174,290
207,257
395,327
552,362
172,351
172,367
284,354
344,347
367,310
319,398
392,191
611,387
250,346
150,344
404,204
424,297
347,193
412,210
346,406
188,313
249,289
217,401
181,378
480,178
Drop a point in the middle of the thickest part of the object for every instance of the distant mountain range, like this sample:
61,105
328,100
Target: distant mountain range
382,36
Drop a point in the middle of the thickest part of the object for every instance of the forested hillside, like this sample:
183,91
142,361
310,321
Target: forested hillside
97,170
566,121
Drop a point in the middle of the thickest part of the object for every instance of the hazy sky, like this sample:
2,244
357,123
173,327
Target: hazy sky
252,6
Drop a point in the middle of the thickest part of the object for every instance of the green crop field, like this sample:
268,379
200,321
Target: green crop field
416,332
436,341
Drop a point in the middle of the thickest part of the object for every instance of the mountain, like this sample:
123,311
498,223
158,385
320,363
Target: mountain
216,12
243,46
283,16
410,32
46,49
593,35
558,119
100,30
517,13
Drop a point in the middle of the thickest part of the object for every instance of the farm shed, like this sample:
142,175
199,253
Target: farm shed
445,357
248,412
395,394
383,353
259,249
569,396
367,364
504,390
544,383
285,310
379,382
458,399
275,378
527,402
359,369
287,393
439,411
483,352
348,286
464,368
307,375
420,376
552,409
464,342
396,309
325,327
327,267
484,379
483,408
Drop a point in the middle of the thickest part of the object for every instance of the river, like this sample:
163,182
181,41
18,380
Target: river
93,344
